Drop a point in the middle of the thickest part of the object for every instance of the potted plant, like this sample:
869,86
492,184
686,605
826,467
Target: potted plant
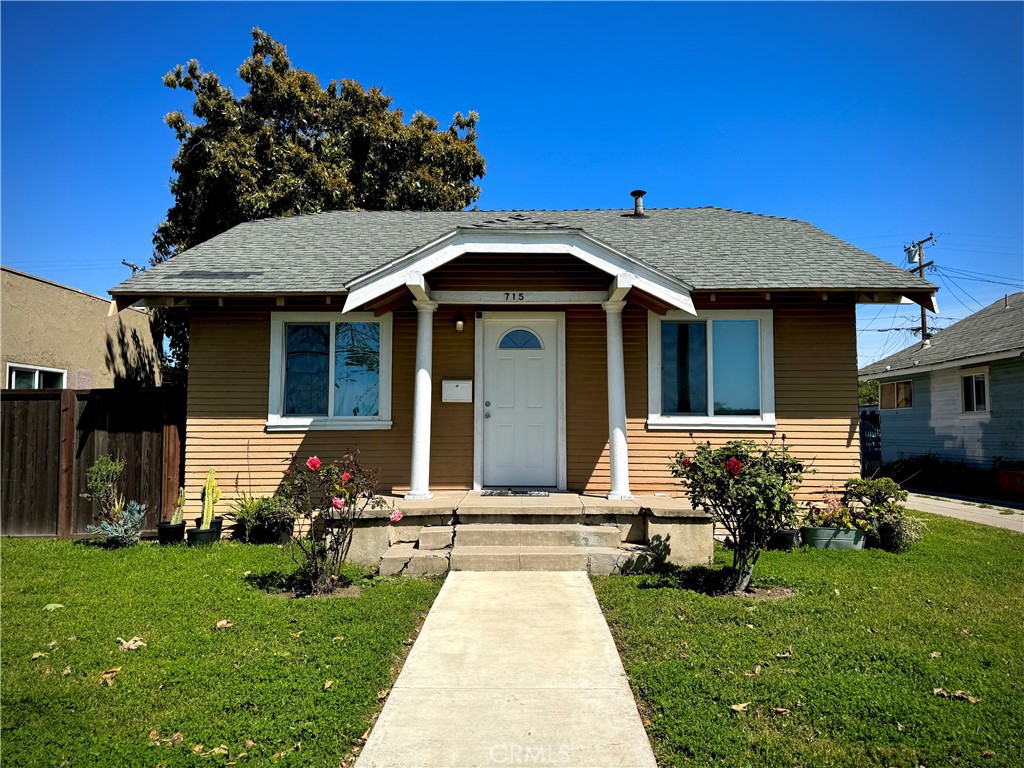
833,525
786,538
173,530
208,526
263,519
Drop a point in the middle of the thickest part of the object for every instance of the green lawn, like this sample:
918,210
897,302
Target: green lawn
261,680
853,656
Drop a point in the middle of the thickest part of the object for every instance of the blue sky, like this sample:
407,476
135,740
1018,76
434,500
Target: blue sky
879,123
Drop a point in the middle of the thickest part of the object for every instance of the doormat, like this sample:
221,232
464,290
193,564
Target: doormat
510,492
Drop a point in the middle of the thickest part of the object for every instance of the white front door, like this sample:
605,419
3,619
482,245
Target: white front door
520,400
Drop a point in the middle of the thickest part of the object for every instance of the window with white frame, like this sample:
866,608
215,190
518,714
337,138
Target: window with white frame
330,371
896,395
974,386
34,377
715,370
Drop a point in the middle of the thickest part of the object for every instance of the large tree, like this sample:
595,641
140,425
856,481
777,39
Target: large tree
290,146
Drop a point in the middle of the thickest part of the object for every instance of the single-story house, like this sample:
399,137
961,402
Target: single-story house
572,350
53,336
960,396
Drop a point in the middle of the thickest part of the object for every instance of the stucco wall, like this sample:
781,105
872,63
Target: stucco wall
52,326
937,424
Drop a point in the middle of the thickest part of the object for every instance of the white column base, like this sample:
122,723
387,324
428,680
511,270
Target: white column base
613,496
418,496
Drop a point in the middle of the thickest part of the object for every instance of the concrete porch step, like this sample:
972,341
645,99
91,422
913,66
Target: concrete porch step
593,559
533,535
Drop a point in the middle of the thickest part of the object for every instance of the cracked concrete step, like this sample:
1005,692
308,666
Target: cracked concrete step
534,535
405,560
598,560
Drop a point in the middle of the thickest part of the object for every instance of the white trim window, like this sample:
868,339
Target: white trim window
974,391
713,371
329,370
896,395
21,376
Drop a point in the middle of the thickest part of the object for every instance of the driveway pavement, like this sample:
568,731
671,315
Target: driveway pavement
972,511
511,669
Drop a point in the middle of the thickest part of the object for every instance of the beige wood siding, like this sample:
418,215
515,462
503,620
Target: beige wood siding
815,378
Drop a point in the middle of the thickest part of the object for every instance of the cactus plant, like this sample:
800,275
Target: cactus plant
179,508
211,495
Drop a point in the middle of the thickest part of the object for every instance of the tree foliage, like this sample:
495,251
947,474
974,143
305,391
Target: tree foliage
291,146
867,392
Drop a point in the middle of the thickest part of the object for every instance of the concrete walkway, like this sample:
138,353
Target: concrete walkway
511,669
971,511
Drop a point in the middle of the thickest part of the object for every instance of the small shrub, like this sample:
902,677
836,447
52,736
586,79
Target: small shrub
326,500
748,489
101,484
126,530
263,519
890,527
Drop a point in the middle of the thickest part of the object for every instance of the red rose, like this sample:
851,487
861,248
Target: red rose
733,466
345,477
686,463
337,503
312,463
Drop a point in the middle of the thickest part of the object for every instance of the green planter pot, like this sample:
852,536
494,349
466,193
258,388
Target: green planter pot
785,540
833,538
170,533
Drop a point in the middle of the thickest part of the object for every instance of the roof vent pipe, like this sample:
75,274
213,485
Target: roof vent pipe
638,202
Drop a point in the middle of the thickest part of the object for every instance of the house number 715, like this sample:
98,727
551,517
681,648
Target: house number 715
514,296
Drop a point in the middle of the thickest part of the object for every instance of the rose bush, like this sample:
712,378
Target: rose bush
326,500
748,489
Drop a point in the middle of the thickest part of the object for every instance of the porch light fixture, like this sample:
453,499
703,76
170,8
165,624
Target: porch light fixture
460,324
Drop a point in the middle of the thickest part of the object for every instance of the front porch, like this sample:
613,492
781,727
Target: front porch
462,530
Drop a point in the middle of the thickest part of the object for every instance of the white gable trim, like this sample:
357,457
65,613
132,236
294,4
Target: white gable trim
412,267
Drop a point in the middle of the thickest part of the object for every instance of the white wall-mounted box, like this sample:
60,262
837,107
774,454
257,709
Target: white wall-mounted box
457,391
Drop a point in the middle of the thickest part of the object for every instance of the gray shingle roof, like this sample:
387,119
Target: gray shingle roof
708,248
997,328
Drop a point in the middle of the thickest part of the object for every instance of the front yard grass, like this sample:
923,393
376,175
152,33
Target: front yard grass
844,672
259,682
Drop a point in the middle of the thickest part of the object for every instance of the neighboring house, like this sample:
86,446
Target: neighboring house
565,350
961,395
53,336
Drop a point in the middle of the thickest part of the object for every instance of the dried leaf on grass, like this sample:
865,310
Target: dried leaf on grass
154,735
328,684
785,654
740,707
130,645
52,607
39,655
781,711
107,678
754,672
67,671
224,624
935,655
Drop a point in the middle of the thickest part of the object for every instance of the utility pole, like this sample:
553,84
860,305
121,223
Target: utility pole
915,252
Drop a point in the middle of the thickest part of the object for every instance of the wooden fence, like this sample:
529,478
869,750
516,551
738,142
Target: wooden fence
49,438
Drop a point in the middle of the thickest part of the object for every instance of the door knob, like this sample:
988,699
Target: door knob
487,403
487,414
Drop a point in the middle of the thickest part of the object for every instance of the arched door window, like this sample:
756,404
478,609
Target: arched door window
520,338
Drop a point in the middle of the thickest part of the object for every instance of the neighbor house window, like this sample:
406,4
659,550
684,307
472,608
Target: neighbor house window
893,395
34,377
975,392
714,370
330,371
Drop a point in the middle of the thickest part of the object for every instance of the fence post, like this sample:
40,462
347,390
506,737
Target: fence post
66,497
171,457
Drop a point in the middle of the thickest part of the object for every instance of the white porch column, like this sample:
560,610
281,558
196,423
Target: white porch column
419,484
618,455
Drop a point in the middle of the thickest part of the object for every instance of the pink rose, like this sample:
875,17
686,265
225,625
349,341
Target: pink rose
733,466
396,516
312,463
346,476
338,503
